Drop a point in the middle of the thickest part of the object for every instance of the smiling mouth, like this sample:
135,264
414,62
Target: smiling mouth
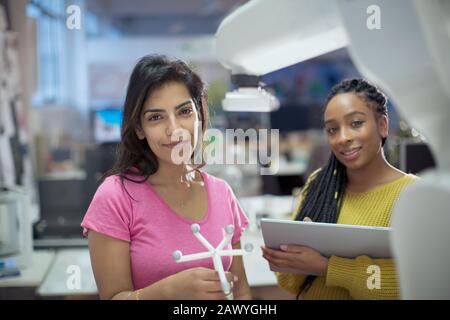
174,144
350,154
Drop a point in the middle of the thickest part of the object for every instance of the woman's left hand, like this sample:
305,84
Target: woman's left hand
304,259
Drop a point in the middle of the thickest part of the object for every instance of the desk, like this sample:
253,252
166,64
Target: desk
277,207
261,280
24,286
60,281
256,267
33,275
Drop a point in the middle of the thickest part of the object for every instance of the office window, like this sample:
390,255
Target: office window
51,34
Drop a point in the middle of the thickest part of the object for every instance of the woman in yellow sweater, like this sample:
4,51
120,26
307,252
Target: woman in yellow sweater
357,186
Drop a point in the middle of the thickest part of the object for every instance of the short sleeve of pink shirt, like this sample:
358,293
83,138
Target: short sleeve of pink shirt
134,212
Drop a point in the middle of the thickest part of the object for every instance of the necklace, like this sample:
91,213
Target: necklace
186,198
187,179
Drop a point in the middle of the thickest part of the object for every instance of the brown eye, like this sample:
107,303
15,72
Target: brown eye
331,131
155,117
186,111
357,123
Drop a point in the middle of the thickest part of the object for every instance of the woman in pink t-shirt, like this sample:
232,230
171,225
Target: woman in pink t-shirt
142,211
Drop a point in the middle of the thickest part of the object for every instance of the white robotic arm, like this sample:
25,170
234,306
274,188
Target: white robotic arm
264,36
408,57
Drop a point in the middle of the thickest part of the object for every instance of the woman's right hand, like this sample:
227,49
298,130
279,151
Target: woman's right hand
197,284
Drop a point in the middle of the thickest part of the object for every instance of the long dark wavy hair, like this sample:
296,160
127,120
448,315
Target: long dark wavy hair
323,197
135,160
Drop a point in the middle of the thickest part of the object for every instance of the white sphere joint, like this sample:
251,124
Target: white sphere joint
229,229
176,255
195,228
248,247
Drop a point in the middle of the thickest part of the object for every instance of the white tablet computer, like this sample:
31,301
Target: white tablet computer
347,241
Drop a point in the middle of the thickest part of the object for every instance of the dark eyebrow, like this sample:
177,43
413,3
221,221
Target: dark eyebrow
355,113
351,114
178,106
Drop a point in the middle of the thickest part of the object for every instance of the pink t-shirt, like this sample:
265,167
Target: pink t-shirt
155,231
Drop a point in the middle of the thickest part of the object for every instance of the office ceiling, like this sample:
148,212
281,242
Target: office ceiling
161,17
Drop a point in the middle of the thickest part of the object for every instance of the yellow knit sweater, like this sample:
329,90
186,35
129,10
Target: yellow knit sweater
347,278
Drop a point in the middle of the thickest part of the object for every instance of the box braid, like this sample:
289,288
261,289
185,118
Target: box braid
325,193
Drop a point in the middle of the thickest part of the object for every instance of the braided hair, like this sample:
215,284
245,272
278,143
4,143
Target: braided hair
324,194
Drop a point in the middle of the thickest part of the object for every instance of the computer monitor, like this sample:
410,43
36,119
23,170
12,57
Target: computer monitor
107,125
416,157
296,118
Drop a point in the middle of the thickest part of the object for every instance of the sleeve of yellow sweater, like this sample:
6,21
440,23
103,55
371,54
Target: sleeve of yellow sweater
359,277
290,282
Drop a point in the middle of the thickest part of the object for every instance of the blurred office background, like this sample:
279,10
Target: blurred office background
61,99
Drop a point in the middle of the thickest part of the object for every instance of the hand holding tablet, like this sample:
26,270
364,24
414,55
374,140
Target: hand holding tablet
347,241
